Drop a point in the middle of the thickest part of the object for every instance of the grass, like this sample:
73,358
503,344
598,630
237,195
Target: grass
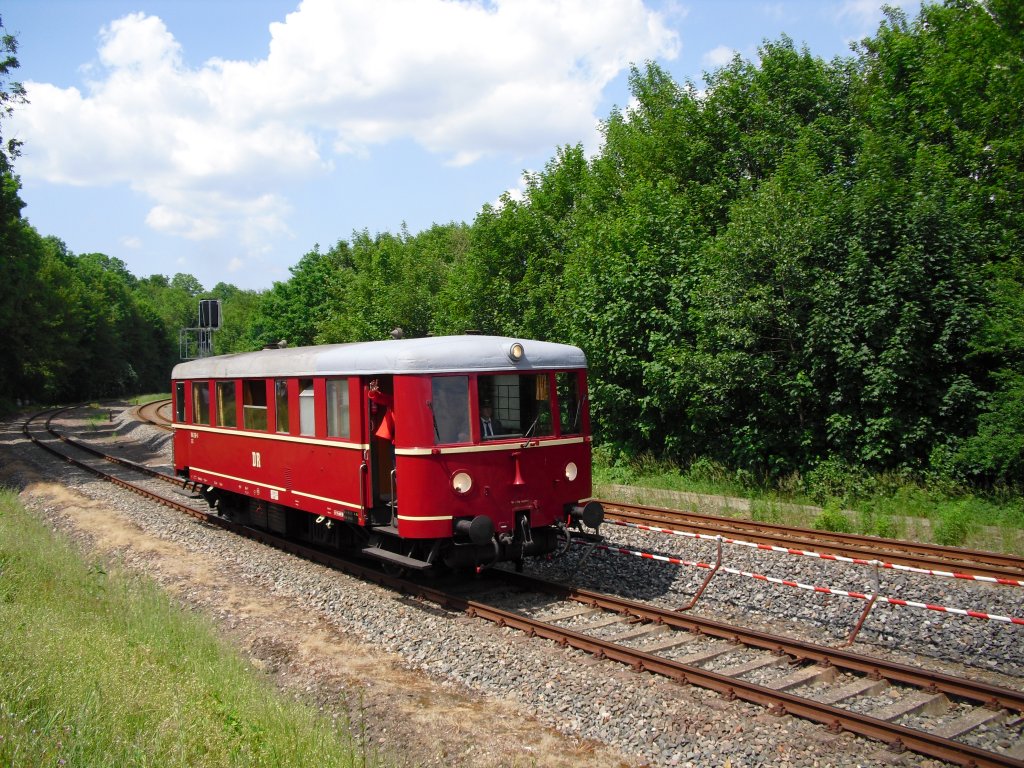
890,506
143,399
98,668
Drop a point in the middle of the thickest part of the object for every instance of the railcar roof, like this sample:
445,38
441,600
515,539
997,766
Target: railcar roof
433,354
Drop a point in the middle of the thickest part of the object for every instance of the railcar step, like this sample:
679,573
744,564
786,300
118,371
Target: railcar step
388,530
397,559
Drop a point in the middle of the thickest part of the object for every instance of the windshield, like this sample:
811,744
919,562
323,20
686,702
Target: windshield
514,405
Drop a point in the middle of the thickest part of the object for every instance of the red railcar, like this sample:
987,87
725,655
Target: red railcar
463,450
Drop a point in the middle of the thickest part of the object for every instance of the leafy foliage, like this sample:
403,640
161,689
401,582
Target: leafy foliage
807,273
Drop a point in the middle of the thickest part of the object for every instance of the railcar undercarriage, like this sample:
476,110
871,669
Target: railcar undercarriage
473,545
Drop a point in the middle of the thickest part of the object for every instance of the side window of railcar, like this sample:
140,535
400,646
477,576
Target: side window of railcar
520,404
227,416
570,404
337,408
307,413
254,404
179,401
281,399
200,402
450,409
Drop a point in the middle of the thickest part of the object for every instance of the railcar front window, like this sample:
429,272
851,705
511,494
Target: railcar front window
450,409
515,405
227,416
254,404
306,410
570,404
281,399
337,408
179,401
200,402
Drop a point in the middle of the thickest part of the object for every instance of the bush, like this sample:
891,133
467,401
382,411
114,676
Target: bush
705,470
873,523
835,478
954,525
833,519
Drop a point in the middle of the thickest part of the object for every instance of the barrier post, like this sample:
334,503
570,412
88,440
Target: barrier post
707,580
867,609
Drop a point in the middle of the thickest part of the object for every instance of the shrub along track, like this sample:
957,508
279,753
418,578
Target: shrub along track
654,635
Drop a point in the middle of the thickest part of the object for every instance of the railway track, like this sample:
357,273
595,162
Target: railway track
156,413
827,685
840,689
929,557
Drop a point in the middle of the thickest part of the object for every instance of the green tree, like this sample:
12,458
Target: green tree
293,311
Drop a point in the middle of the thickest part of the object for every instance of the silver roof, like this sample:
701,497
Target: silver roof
433,354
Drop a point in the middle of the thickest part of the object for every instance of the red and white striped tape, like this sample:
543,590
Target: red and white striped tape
812,588
822,555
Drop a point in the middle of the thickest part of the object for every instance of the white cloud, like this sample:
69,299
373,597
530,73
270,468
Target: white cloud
463,79
718,56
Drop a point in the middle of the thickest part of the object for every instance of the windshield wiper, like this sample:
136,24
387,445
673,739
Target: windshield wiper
433,418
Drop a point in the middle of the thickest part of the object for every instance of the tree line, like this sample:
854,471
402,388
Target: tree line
807,264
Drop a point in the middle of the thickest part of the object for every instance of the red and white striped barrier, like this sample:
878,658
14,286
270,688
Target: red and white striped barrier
812,588
822,556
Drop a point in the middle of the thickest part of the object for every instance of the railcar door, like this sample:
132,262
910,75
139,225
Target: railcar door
382,490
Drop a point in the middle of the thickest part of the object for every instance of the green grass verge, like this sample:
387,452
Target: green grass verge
98,668
143,399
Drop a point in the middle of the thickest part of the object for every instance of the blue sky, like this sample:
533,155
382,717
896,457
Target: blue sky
225,139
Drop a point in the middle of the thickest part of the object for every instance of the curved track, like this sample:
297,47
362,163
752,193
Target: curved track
653,637
156,413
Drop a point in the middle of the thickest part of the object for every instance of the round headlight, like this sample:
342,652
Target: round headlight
571,470
516,352
461,482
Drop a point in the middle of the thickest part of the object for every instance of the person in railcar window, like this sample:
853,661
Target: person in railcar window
450,409
386,429
490,427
